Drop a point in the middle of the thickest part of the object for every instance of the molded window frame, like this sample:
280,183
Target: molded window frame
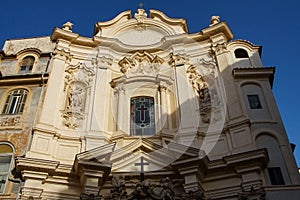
254,101
241,53
151,113
26,64
276,176
15,101
7,156
25,68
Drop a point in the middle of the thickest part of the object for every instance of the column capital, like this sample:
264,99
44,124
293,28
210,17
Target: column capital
62,54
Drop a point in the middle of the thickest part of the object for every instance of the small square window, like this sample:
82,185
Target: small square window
275,176
254,101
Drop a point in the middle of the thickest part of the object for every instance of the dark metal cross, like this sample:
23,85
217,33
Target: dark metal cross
142,163
142,110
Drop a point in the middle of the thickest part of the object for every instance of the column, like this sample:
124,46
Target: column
51,109
121,98
164,107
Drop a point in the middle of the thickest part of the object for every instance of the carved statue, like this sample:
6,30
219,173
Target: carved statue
118,190
167,192
75,98
200,86
78,82
147,190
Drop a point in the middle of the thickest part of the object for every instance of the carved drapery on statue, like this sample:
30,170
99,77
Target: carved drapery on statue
140,63
202,76
78,80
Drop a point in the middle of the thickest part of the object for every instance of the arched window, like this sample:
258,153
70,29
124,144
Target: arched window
15,102
241,53
6,153
26,65
142,116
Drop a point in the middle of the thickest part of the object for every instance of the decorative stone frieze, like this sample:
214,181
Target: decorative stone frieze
10,120
149,190
141,63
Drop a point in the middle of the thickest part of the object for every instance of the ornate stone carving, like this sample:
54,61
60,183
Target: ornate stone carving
201,75
79,73
67,26
148,190
77,85
177,60
62,54
141,63
214,20
219,48
102,62
72,119
10,120
118,190
253,194
140,16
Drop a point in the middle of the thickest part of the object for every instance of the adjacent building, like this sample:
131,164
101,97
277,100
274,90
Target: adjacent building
141,110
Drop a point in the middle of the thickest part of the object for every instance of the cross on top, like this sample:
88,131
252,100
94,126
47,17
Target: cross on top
142,164
141,5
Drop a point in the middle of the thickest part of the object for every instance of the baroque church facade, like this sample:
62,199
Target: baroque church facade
141,110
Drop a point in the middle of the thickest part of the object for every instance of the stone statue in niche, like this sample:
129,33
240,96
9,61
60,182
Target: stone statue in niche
202,91
76,98
199,85
78,82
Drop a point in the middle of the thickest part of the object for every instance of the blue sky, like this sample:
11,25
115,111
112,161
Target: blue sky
272,24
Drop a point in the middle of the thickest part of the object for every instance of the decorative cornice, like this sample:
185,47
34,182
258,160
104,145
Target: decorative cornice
34,164
24,79
172,21
254,73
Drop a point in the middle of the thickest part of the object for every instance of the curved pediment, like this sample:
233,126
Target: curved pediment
140,30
